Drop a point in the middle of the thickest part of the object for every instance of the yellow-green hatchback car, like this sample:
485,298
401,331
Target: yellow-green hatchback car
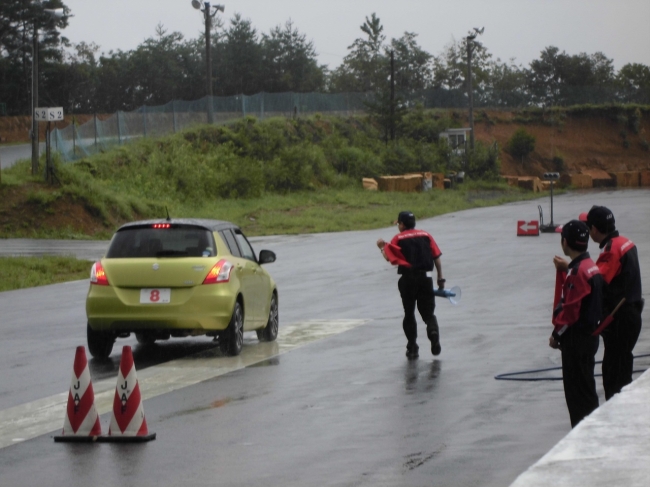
178,278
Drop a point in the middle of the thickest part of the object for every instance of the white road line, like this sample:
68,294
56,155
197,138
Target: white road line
45,415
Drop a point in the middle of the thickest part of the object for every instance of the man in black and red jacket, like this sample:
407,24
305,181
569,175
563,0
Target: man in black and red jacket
619,265
415,253
575,318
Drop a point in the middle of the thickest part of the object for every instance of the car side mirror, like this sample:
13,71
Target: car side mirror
266,256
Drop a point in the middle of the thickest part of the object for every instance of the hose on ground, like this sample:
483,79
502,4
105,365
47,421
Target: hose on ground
510,375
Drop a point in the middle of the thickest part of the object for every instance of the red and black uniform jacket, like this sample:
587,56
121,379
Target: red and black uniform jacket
581,305
413,250
619,265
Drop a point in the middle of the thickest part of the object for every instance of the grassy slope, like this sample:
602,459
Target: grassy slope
274,177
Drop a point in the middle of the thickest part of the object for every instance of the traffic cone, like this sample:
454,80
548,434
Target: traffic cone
128,423
81,422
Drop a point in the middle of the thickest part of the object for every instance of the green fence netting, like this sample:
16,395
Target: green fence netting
96,135
76,141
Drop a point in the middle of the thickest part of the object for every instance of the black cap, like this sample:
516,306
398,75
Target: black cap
576,234
407,218
602,218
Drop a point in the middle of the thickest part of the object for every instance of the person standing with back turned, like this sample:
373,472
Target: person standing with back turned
575,318
415,253
619,265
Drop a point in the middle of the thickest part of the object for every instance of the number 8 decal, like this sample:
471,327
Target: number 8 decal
154,297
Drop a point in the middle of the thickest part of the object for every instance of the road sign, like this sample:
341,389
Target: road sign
525,228
54,114
40,114
48,114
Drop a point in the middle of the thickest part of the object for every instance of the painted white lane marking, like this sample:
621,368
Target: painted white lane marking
36,418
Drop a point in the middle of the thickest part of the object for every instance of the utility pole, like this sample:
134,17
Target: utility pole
207,15
470,92
54,14
392,95
208,62
35,99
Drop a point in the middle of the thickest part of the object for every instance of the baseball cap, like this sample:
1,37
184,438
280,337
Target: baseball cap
602,218
576,234
583,217
407,218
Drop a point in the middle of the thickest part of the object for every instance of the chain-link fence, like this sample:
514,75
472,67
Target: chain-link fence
76,141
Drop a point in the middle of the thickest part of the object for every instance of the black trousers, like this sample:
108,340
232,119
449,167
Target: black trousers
416,289
620,338
578,360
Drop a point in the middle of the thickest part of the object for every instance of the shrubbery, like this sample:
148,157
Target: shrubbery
521,144
249,158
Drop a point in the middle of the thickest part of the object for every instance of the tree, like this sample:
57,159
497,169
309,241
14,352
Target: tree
289,62
240,60
75,80
164,68
413,70
633,82
506,85
17,21
558,78
450,69
364,68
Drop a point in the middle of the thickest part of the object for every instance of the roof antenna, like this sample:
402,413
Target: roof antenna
168,218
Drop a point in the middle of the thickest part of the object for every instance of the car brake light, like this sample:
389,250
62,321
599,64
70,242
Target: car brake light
161,225
219,273
97,275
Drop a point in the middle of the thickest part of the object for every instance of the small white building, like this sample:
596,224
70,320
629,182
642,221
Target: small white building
456,138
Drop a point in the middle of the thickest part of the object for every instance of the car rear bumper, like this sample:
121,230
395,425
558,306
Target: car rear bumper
200,309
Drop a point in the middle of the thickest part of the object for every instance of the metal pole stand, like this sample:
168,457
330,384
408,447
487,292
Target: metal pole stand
550,227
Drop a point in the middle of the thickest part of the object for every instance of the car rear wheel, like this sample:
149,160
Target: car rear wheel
270,331
145,338
100,344
232,338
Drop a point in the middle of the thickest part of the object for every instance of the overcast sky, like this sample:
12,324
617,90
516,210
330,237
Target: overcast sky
518,29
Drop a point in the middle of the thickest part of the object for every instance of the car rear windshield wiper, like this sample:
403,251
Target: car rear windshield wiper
172,253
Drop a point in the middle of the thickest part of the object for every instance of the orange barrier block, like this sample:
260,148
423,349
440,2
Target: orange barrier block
599,178
627,179
370,183
407,183
579,181
531,183
438,180
644,178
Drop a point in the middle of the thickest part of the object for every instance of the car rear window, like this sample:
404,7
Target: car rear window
172,241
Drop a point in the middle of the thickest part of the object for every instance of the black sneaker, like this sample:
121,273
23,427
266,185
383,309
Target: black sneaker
412,351
435,344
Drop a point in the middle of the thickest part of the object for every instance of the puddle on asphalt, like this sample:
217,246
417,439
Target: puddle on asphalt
415,460
213,405
266,363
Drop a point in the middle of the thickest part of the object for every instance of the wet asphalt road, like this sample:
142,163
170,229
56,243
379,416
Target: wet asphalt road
347,410
9,154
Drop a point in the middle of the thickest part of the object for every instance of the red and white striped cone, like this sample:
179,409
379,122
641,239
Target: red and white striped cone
81,422
128,423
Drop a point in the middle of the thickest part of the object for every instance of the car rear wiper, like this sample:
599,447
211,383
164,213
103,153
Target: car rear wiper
172,253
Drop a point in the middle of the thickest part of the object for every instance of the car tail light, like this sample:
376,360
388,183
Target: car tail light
161,225
219,273
97,275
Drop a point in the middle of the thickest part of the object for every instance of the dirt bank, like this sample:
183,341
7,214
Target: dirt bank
565,141
570,143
